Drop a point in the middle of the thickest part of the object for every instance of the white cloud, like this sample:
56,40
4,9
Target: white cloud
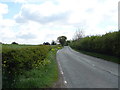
96,15
3,9
45,13
6,25
20,1
38,23
41,33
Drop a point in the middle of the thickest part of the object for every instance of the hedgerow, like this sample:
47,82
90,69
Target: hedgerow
15,61
106,44
41,77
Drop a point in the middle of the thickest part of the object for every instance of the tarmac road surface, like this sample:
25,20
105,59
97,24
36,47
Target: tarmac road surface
83,71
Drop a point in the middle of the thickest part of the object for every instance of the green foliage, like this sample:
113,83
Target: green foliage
106,44
67,42
62,40
46,43
53,43
103,56
41,77
14,43
18,59
29,66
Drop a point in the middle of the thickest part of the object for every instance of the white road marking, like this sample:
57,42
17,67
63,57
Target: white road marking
59,64
58,51
60,68
65,82
61,72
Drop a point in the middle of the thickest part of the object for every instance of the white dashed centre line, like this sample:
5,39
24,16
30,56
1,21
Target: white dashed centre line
61,72
65,82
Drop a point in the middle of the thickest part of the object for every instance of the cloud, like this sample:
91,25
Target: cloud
5,24
119,16
45,13
20,19
27,36
43,21
3,9
27,1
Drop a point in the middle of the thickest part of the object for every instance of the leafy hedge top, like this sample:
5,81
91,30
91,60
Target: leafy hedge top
107,44
17,59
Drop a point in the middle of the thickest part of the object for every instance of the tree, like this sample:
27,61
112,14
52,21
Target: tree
53,43
78,34
14,43
67,42
62,40
46,43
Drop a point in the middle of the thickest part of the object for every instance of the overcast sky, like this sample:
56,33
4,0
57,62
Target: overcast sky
38,21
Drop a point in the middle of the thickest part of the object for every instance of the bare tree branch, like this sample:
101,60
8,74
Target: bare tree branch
78,34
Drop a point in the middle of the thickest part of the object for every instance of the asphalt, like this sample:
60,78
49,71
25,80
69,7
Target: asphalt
82,71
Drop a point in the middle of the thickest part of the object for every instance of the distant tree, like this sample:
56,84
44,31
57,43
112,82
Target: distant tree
14,43
62,40
53,43
46,43
78,34
1,43
67,42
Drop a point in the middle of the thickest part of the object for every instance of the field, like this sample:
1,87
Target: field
29,66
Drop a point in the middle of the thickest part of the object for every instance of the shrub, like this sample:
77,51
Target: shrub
17,60
106,44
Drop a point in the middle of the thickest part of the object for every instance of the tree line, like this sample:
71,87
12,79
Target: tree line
61,40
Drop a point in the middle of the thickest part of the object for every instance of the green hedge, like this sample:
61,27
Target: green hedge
106,44
18,59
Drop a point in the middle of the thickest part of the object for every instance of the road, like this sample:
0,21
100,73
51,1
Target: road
83,71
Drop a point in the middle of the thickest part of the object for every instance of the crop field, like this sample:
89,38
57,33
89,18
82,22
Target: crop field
23,65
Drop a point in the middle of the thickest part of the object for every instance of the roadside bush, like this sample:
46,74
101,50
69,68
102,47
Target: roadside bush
106,44
16,61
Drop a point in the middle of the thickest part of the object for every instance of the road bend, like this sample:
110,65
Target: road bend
83,71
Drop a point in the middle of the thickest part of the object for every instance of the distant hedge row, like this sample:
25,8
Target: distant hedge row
106,44
16,60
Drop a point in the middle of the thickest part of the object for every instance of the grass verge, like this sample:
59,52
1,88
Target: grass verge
41,77
102,56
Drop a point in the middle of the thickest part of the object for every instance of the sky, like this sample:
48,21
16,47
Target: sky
38,21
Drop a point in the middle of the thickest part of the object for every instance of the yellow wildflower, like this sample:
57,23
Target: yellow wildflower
53,49
4,61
